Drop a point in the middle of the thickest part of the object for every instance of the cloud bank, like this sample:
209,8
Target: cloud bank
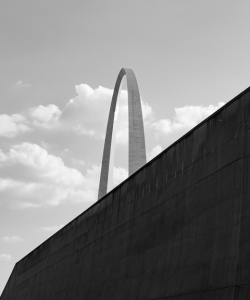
31,177
87,114
11,126
45,116
185,118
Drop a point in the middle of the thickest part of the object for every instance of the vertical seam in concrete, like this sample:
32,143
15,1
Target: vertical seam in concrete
241,195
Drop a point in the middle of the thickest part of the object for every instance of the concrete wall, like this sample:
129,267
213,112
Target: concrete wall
177,229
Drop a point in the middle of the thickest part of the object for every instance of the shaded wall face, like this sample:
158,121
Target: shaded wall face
177,229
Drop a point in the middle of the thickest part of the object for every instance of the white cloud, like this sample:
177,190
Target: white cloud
30,177
20,84
45,145
185,118
78,161
87,113
3,157
155,151
10,126
5,257
12,239
51,228
147,112
119,175
45,116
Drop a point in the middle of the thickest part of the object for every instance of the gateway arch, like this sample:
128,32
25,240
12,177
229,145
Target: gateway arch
137,149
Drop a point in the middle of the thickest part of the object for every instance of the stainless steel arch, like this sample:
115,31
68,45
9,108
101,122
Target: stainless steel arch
137,149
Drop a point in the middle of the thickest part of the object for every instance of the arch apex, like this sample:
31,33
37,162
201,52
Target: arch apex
137,148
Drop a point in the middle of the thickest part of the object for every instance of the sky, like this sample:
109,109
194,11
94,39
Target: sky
59,63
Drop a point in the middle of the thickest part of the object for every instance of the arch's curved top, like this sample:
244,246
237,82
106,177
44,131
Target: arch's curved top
137,149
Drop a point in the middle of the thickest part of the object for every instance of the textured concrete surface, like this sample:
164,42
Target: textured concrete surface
137,148
176,229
